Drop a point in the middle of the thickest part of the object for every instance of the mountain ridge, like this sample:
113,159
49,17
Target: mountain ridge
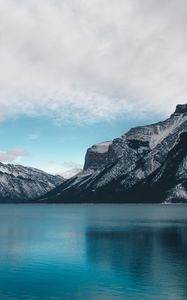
127,162
23,184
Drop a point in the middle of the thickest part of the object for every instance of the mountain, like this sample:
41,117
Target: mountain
23,184
148,164
70,173
97,156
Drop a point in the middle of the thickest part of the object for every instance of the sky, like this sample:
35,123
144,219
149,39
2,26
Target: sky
75,72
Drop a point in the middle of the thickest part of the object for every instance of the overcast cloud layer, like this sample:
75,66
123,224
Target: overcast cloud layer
92,60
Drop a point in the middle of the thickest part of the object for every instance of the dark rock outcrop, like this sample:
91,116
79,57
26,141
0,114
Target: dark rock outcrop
97,157
181,109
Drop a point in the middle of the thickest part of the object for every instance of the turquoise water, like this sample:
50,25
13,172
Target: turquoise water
93,252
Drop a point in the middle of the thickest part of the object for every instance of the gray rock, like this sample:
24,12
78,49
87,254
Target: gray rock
97,156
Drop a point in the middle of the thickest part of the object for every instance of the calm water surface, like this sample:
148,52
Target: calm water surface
93,252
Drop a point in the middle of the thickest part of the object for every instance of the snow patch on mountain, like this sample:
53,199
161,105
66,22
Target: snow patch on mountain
70,173
177,193
102,147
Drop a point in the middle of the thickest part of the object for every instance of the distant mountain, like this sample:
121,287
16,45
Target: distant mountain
70,173
146,164
23,184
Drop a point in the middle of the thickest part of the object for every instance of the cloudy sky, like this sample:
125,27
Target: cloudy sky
76,72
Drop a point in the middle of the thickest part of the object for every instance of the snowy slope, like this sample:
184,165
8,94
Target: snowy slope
21,184
70,173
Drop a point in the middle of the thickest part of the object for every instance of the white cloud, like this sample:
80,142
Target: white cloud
33,136
13,155
78,60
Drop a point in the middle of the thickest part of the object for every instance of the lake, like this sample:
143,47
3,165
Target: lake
93,252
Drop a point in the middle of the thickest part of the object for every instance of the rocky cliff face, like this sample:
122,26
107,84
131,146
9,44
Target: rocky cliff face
97,157
181,109
171,178
125,169
23,184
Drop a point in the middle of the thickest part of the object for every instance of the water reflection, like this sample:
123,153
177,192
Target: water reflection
151,256
93,252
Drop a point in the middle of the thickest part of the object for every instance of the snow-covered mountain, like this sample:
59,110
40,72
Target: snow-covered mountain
23,184
70,173
146,164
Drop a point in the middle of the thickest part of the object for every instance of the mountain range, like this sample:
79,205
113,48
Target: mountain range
148,164
23,184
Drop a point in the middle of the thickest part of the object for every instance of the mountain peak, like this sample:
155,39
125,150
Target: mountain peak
181,109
